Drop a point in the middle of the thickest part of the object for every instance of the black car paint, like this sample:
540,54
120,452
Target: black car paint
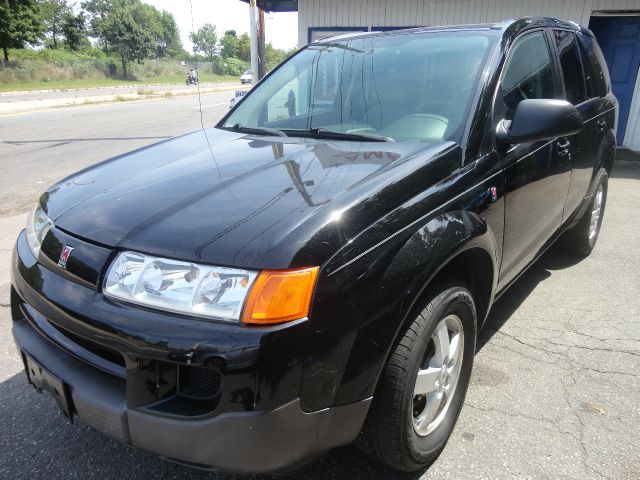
383,220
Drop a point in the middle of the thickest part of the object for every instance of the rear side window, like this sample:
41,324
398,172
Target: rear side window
528,72
597,75
571,64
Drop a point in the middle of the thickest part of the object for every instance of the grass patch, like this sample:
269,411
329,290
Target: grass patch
48,69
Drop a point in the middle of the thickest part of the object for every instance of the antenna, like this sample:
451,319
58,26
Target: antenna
204,130
195,59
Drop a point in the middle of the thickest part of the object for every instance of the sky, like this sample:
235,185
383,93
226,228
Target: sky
281,28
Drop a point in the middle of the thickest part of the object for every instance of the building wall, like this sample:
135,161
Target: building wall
399,13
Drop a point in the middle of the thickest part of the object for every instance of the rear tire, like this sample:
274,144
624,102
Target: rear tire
406,429
580,239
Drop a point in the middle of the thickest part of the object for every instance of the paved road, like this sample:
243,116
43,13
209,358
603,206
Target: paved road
555,391
39,148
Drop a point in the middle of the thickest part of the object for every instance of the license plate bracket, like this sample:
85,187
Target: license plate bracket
42,379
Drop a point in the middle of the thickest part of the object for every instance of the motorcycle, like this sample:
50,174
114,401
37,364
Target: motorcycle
191,79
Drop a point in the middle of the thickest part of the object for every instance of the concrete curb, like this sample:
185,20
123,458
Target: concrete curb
134,85
39,105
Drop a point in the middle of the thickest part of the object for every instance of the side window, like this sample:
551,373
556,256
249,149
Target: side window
528,72
597,75
571,66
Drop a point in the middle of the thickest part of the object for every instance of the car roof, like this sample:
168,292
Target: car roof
511,24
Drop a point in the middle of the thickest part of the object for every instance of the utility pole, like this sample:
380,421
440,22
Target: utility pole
262,57
253,32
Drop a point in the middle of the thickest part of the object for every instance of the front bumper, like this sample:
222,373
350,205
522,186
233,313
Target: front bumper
254,424
249,442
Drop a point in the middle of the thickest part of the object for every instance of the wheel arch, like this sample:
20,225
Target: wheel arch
606,154
471,262
473,269
610,158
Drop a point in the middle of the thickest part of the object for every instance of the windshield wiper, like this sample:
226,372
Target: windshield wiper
370,137
257,130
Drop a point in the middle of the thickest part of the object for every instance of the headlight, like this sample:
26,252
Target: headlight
181,287
38,225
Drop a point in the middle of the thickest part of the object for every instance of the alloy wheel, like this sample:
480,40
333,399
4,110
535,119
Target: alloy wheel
438,375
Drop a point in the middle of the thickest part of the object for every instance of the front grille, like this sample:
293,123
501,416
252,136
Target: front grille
106,353
199,383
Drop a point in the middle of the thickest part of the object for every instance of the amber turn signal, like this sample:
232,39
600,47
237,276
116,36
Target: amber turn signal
280,296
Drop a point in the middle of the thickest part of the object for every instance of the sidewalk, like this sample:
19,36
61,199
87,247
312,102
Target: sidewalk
11,102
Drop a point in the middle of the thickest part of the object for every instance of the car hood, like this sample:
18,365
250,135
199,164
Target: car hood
225,198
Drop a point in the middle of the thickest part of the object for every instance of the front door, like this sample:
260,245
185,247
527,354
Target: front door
619,38
537,174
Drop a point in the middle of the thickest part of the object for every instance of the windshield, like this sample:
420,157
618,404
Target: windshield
406,87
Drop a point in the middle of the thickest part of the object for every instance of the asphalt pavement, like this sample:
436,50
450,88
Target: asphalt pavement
555,391
39,148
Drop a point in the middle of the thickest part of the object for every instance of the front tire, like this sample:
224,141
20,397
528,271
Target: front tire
424,382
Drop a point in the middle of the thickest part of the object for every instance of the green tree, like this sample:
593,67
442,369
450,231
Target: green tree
168,40
54,15
274,55
229,43
20,23
97,11
74,30
128,34
244,47
161,26
205,40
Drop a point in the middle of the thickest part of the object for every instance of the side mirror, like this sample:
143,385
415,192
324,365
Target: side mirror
540,119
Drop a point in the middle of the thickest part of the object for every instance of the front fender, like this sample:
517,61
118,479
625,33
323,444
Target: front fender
373,298
427,251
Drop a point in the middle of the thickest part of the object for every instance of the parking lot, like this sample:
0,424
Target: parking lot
555,391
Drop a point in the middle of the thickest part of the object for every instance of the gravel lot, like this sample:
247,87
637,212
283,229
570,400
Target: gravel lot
555,391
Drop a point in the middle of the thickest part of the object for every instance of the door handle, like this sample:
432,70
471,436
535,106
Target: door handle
601,124
563,145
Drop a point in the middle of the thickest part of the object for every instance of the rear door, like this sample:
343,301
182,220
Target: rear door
537,176
598,111
574,88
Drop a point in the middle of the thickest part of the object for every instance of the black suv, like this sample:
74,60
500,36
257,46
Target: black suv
313,270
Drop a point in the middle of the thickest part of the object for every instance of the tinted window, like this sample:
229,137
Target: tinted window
528,72
597,75
411,87
571,66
